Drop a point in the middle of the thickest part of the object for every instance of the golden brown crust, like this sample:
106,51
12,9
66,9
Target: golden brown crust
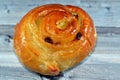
52,38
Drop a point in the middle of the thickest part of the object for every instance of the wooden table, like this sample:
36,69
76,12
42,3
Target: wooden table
102,64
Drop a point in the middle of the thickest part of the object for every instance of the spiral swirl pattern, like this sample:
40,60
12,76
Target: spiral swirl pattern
53,37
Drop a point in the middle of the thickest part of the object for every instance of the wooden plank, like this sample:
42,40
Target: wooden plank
108,39
82,72
103,12
96,66
26,2
106,43
102,31
96,72
17,73
96,1
9,59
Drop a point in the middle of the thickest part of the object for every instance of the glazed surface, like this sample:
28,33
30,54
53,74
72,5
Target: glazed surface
52,38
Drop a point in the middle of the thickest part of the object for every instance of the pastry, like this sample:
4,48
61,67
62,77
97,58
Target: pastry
53,38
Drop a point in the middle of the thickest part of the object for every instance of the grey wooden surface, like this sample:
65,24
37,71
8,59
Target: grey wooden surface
102,64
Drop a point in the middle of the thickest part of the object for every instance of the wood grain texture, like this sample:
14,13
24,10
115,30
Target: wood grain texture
82,72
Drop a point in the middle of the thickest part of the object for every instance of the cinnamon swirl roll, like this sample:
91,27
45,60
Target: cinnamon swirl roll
52,38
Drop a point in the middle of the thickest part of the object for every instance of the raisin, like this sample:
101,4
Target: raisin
76,16
78,36
49,40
